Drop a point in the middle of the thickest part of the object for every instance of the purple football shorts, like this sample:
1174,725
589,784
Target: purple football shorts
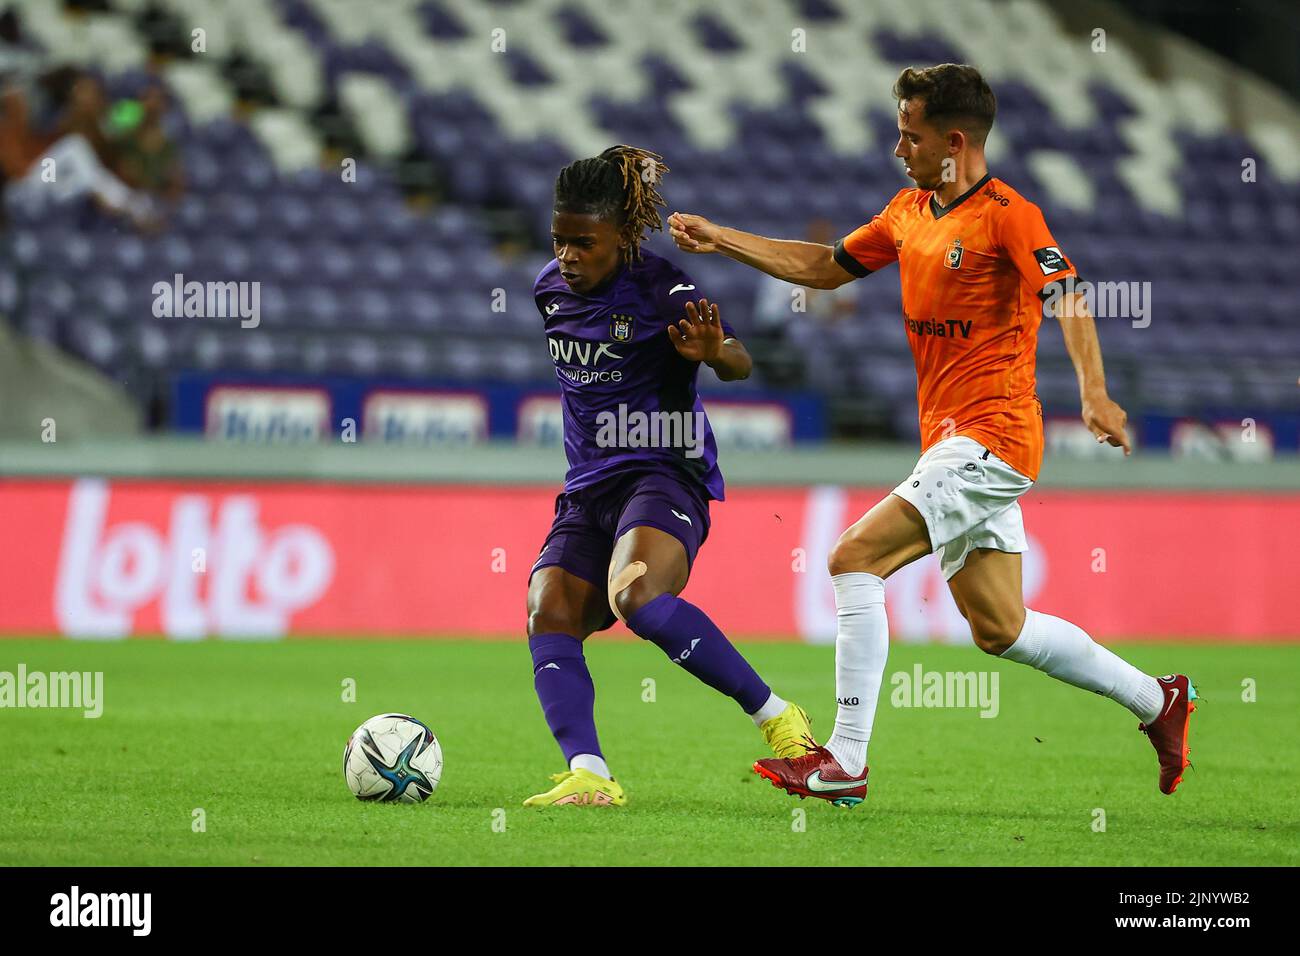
590,520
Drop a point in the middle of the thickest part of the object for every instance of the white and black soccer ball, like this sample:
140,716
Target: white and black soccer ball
392,758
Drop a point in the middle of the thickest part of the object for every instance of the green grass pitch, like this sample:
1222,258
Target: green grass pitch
253,735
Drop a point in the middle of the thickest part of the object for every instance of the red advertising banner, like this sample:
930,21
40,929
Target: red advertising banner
111,559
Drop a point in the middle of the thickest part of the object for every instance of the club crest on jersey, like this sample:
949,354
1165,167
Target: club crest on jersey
953,255
620,328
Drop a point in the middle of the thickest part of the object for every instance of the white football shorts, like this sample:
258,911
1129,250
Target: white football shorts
968,497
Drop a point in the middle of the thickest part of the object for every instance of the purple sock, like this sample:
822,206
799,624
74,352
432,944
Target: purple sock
688,637
567,694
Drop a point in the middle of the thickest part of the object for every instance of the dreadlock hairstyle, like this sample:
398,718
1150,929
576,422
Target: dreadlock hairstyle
620,185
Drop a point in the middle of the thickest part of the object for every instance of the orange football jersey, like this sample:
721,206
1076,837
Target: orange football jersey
974,275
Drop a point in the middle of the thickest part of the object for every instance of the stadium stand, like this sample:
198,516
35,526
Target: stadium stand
1141,179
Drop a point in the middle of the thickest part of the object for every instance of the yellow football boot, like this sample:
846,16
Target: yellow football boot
789,733
580,788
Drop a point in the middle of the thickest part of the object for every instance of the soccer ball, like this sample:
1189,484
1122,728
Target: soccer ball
392,758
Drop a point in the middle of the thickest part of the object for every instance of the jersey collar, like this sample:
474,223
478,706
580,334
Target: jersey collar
940,211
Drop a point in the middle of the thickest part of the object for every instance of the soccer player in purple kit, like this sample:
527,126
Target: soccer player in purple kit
627,341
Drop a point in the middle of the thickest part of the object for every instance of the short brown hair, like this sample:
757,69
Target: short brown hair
954,93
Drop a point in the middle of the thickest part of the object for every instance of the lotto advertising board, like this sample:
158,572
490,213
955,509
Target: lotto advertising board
101,559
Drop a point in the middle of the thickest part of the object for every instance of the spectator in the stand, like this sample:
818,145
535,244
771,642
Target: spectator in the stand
19,144
777,301
84,112
146,158
778,306
68,158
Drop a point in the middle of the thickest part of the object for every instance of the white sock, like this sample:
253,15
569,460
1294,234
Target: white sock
1064,651
861,647
771,709
591,762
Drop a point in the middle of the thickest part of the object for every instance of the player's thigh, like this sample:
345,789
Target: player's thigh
560,602
990,595
566,592
892,534
646,563
661,527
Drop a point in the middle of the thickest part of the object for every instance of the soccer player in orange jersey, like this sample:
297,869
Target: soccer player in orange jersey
977,263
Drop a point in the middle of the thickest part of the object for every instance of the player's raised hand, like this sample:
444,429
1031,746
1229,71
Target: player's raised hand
1106,420
693,233
698,337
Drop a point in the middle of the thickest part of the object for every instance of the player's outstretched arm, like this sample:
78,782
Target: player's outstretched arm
699,337
808,264
1104,417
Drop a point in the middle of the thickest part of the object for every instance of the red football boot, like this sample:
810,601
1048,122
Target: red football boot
1168,732
814,774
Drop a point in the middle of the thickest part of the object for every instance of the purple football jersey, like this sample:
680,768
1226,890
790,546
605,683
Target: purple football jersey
629,398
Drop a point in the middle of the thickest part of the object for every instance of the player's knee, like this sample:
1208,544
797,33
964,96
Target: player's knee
555,621
843,557
626,590
992,636
851,554
635,596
